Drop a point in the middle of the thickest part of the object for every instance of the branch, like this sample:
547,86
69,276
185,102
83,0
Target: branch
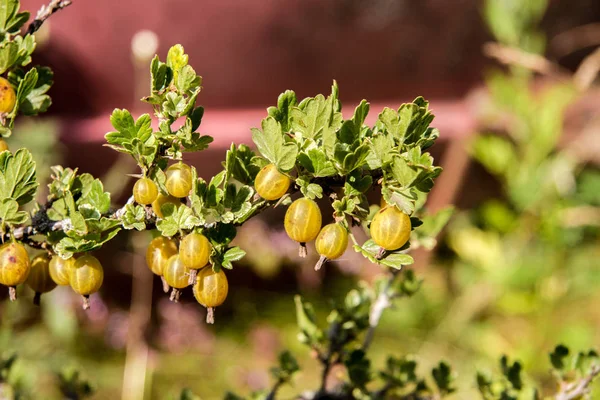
383,301
273,392
580,389
45,12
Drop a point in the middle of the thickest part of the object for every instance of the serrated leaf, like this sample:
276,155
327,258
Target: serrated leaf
272,145
381,152
17,176
37,101
9,53
10,214
282,113
95,196
311,117
315,161
134,217
176,218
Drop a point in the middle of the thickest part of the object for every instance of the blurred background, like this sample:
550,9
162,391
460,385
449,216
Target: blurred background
513,85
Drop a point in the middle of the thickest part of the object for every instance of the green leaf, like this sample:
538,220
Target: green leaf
307,322
232,254
176,218
10,214
395,259
177,59
315,161
17,176
134,217
36,100
282,113
9,53
288,366
273,146
359,368
403,173
512,372
8,11
127,128
311,117
442,375
95,196
239,164
559,356
308,189
187,80
381,151
161,76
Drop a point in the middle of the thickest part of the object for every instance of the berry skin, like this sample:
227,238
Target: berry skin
211,290
179,180
60,269
302,222
270,184
39,279
86,277
176,275
331,243
3,146
8,97
14,266
161,199
158,253
390,228
194,252
145,191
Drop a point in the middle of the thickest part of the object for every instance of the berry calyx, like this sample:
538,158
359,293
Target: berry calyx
390,228
86,277
194,252
8,97
145,191
14,267
331,243
39,279
302,222
210,290
179,180
158,253
270,184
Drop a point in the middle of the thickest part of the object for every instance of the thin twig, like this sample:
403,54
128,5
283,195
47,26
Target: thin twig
273,392
579,389
45,12
383,301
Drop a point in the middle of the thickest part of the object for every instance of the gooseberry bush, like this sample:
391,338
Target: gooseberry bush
308,158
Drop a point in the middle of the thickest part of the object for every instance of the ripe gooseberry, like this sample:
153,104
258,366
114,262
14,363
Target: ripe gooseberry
331,243
302,222
8,97
270,184
158,253
86,277
39,279
179,180
194,252
176,276
145,191
161,200
3,146
14,266
60,269
211,290
390,228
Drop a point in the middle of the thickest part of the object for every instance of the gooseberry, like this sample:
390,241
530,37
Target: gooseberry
60,269
158,253
194,252
302,222
39,279
176,275
211,290
3,146
161,199
179,180
331,243
14,266
145,191
86,277
270,184
8,97
390,228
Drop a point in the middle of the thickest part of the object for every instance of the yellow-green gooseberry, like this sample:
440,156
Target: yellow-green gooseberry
176,275
331,243
86,277
270,184
14,266
145,191
3,146
390,228
161,200
179,180
8,97
158,253
302,222
194,252
211,290
60,268
39,279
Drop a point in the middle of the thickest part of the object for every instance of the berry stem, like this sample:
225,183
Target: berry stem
12,293
320,263
193,274
86,301
36,298
302,252
210,315
165,284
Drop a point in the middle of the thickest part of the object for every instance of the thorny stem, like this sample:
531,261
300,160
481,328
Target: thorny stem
579,389
383,301
45,12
